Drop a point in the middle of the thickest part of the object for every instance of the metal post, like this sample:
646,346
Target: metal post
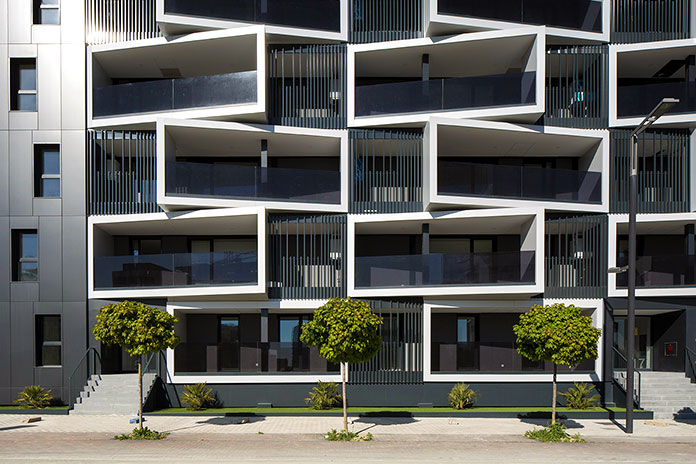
631,317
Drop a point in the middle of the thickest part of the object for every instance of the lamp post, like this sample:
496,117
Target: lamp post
654,115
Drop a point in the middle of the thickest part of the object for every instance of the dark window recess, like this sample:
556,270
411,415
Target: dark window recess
47,171
46,11
228,355
48,341
25,256
23,84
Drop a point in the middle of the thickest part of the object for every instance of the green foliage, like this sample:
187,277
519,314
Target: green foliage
138,328
34,396
334,435
324,396
198,396
141,434
344,330
462,396
582,396
554,433
556,333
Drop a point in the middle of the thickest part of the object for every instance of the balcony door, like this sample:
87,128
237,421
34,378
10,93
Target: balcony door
228,357
467,346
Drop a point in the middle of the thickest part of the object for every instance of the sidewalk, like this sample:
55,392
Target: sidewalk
474,429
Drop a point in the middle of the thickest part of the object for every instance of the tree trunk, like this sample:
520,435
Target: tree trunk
140,392
344,367
553,406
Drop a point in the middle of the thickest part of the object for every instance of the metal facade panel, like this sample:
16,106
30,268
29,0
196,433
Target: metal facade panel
74,269
648,21
382,20
50,258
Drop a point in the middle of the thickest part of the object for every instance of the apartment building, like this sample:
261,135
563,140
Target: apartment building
238,163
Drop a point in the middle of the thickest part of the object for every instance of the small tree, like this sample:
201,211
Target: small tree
345,331
138,328
559,334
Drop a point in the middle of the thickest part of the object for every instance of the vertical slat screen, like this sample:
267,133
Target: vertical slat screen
121,172
663,171
576,257
400,361
386,171
306,256
110,21
576,83
650,20
307,86
382,20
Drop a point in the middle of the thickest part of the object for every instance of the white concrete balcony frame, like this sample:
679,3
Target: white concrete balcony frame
224,138
238,307
647,224
595,306
197,54
645,60
175,24
488,138
235,221
527,222
437,24
493,52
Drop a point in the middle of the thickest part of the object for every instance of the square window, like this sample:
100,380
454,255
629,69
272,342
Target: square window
48,340
46,12
46,171
23,84
25,256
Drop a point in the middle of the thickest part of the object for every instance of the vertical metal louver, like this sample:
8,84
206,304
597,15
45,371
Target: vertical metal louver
121,172
111,21
650,20
663,171
382,20
307,86
386,171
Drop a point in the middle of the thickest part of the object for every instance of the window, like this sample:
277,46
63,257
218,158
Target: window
23,84
47,171
229,344
46,11
25,255
48,341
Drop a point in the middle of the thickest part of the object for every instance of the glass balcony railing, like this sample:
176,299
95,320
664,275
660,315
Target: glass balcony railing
514,267
175,270
490,356
660,271
490,180
175,94
640,100
233,181
324,15
584,15
446,94
230,358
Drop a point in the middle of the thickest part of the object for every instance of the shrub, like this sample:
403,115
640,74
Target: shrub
198,396
141,434
462,396
582,396
34,396
554,433
334,435
324,395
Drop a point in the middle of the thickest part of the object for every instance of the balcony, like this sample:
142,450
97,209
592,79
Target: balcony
438,95
257,358
519,182
583,15
323,15
252,182
660,271
175,270
640,100
436,269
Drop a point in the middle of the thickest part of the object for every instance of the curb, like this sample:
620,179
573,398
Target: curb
46,412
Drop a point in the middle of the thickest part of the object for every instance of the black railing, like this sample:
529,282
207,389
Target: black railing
513,267
493,356
255,357
236,181
660,271
584,15
176,270
640,100
175,94
89,364
308,14
446,94
490,180
619,364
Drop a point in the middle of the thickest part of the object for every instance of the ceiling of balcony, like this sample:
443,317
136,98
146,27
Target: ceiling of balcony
216,225
498,224
647,63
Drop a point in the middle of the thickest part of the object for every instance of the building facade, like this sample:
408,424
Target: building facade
236,164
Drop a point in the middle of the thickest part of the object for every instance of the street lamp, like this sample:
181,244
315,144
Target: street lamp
654,115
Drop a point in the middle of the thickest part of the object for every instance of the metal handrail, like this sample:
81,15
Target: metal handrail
690,363
636,385
95,358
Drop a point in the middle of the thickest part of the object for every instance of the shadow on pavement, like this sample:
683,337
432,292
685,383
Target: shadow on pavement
543,419
232,420
13,427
